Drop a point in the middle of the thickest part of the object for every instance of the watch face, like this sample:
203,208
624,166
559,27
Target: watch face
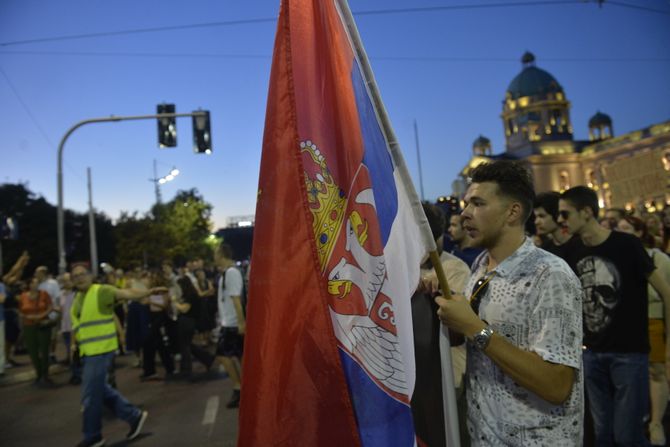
481,339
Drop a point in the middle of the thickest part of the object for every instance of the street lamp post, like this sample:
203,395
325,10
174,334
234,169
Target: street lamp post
60,214
158,181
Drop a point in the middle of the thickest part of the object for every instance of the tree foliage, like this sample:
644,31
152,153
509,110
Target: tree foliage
171,231
36,220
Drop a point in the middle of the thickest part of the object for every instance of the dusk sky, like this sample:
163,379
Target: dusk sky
445,66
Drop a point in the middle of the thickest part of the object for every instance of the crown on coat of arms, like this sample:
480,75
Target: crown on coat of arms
326,202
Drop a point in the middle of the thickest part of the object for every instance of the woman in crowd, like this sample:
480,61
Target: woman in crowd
35,307
155,341
608,223
655,229
658,384
137,318
207,318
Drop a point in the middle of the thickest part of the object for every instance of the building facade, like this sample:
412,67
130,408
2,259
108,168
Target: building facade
629,171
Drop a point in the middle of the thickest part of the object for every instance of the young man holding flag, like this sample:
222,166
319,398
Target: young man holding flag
523,322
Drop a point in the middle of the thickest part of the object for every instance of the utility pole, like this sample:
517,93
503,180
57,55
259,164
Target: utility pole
418,158
61,213
156,187
91,227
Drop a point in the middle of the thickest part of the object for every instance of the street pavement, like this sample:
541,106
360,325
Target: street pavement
180,413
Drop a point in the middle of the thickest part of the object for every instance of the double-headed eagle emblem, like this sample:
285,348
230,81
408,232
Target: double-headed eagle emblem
352,260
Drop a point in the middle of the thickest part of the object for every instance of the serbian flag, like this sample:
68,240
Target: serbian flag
339,238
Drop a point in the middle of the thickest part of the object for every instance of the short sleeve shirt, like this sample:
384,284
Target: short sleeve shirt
230,284
534,300
29,306
614,275
51,287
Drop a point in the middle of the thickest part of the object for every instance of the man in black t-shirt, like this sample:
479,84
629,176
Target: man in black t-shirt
614,270
556,239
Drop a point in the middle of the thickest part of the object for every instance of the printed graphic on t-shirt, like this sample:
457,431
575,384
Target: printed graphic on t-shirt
601,283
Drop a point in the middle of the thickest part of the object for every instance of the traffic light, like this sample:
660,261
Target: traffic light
202,136
167,127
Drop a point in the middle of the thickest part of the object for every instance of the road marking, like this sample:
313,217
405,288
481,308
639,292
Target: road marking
210,410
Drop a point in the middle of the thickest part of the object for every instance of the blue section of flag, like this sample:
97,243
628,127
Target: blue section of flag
382,420
376,157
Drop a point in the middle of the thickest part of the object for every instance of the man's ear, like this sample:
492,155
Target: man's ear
515,212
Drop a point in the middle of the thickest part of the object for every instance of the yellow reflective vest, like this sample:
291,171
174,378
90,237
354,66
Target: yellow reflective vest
95,332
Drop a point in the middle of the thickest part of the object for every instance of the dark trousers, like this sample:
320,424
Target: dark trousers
156,342
37,340
186,327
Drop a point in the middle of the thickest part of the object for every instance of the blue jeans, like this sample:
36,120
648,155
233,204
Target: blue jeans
95,391
617,386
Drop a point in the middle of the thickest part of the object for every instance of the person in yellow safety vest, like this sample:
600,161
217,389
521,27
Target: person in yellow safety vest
92,315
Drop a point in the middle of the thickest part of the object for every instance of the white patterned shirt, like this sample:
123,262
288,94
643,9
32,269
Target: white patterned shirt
534,300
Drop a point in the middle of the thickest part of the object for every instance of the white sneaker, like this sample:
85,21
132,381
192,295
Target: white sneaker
656,434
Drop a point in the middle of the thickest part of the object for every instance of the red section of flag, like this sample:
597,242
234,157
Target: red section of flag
293,388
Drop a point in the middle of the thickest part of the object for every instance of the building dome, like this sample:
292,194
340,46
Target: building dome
600,119
481,146
600,127
532,81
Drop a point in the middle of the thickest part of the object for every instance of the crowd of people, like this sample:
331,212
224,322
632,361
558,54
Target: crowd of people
566,314
559,313
193,311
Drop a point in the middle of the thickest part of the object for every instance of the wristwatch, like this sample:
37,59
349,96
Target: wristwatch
482,338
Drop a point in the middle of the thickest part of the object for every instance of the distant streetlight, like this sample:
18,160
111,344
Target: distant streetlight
174,172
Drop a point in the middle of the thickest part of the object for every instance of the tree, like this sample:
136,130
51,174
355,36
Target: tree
176,229
137,240
36,220
188,221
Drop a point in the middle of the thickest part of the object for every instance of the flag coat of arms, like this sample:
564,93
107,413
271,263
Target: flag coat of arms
337,246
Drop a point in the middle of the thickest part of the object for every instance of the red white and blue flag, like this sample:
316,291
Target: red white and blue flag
329,357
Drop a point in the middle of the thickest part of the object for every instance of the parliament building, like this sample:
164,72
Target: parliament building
628,171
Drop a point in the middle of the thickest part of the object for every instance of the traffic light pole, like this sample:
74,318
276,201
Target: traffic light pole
62,265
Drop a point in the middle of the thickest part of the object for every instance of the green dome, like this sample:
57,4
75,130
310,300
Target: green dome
482,141
600,119
532,81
